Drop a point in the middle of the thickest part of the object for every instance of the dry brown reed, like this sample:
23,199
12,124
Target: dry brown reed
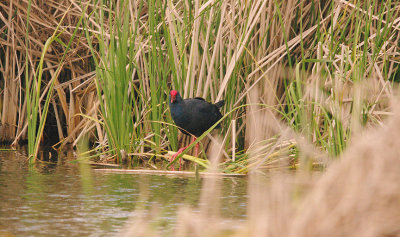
360,194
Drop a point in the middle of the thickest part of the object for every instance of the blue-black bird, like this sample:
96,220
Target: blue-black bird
193,116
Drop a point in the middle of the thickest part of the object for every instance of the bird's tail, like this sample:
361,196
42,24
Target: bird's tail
219,104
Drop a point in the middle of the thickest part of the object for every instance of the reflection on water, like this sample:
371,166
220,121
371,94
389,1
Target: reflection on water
61,198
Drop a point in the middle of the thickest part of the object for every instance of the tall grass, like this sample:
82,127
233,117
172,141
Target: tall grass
324,70
114,75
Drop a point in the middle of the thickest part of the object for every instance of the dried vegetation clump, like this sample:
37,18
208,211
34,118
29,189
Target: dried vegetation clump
360,194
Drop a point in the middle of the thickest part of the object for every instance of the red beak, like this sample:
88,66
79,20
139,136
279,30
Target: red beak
172,98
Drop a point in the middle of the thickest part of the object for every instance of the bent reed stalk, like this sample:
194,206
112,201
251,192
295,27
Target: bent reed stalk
325,70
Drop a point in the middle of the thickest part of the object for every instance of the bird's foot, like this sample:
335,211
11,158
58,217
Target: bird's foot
180,159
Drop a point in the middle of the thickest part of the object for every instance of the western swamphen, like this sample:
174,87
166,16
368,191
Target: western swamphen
193,116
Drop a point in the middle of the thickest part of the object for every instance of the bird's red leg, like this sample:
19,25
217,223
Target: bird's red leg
175,155
196,151
196,148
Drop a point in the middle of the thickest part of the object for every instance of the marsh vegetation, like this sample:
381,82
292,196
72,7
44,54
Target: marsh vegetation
101,72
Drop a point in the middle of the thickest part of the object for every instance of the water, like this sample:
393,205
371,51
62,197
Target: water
66,199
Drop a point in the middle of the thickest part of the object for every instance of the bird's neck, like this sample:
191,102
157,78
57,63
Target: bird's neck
178,108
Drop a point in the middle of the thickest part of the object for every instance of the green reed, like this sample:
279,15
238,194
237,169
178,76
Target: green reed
35,112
